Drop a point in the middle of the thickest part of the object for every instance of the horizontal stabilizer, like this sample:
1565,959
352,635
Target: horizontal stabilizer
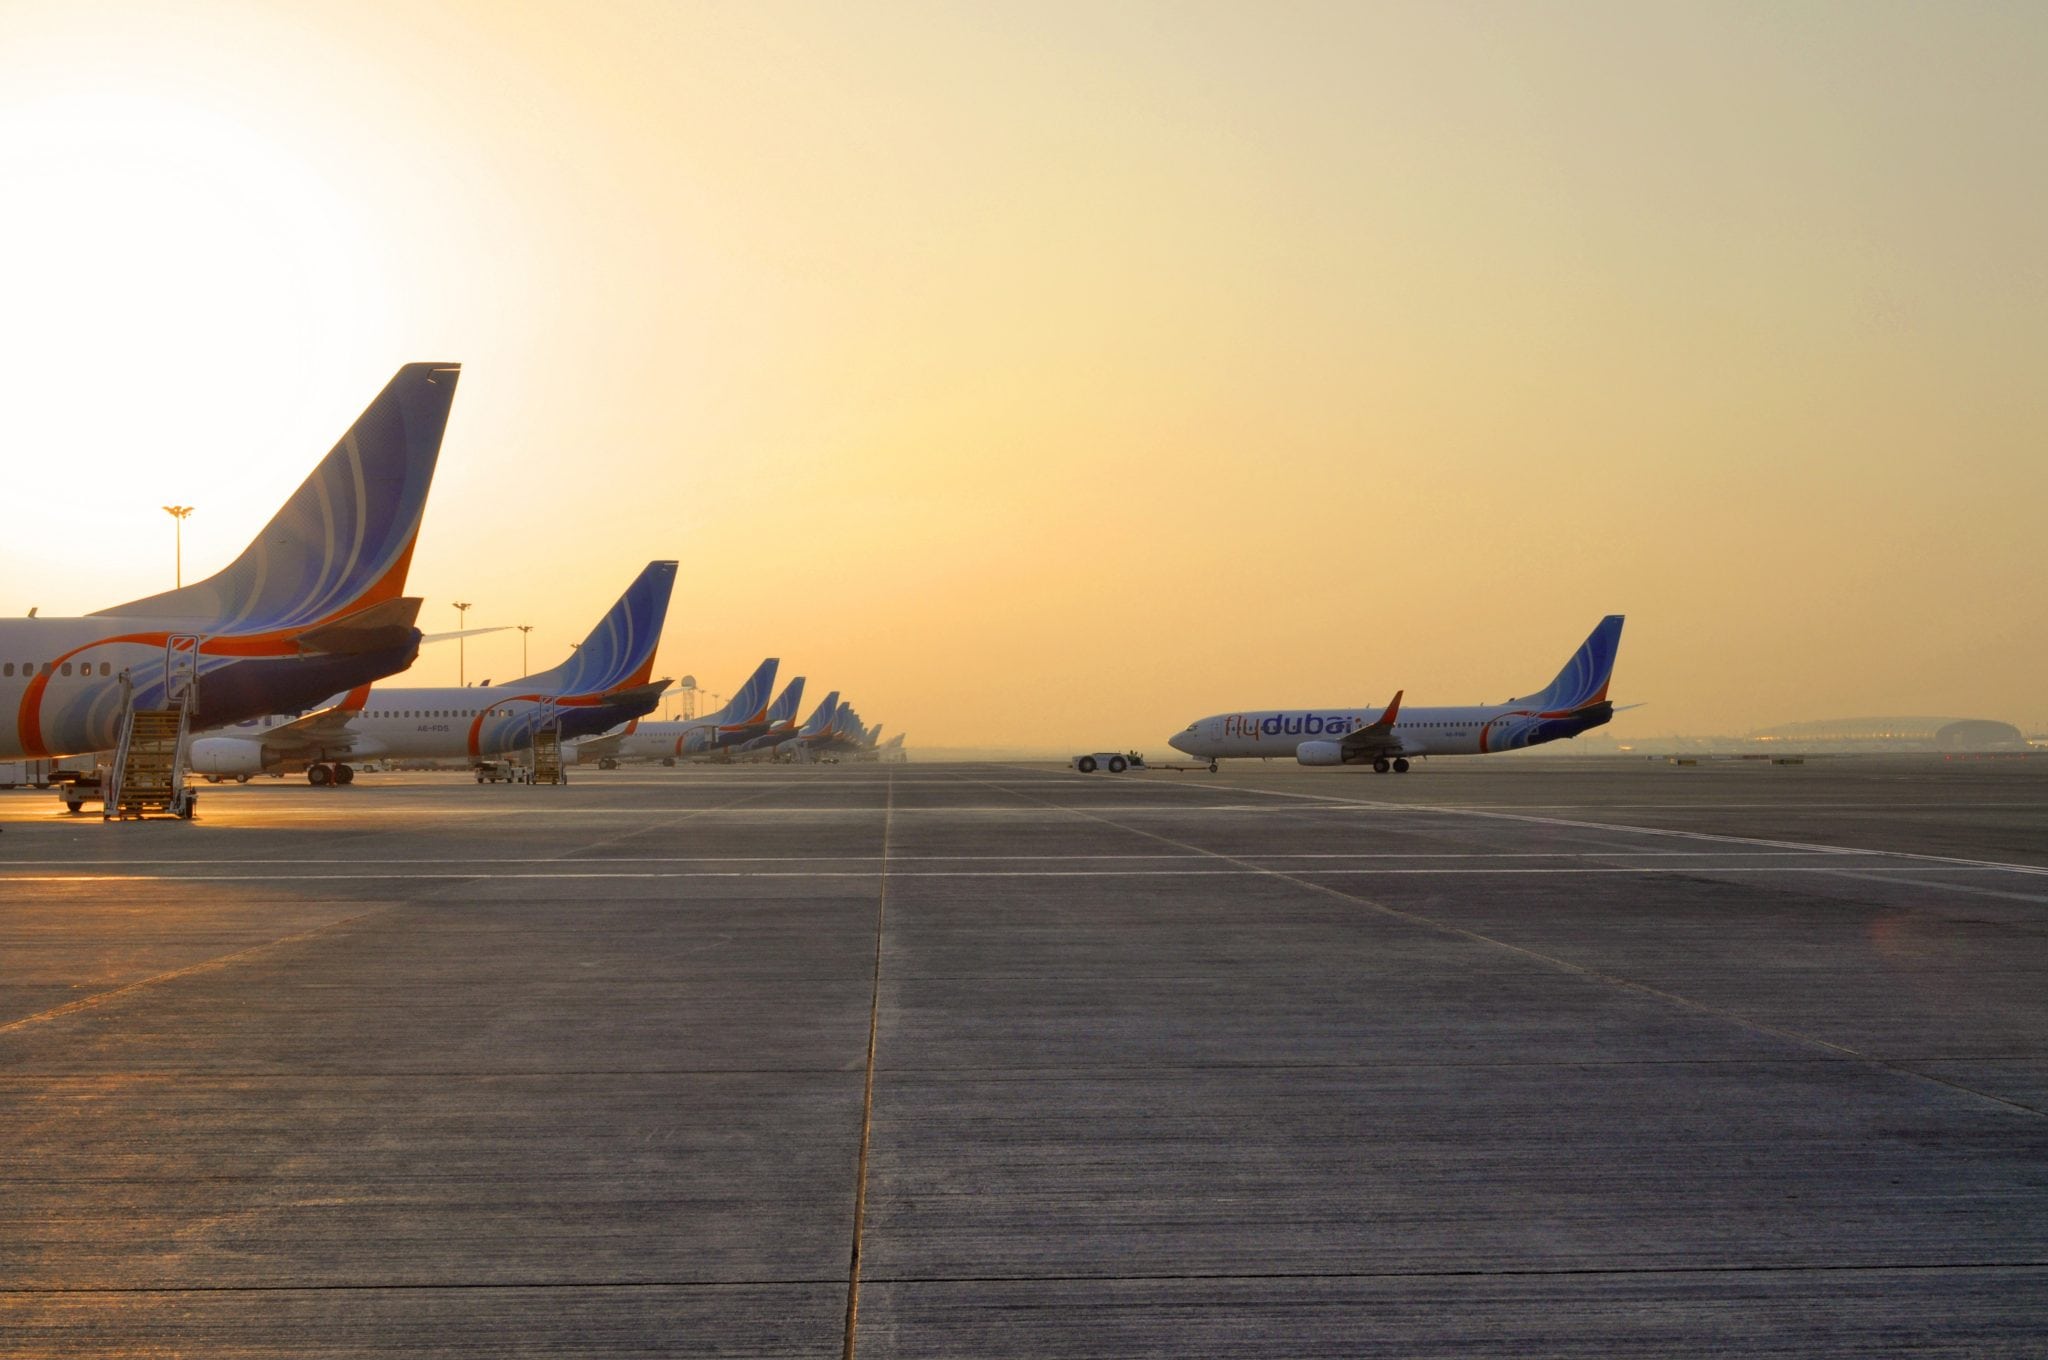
464,633
649,694
376,629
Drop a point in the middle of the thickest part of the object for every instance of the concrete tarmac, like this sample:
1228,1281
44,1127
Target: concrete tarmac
1501,1057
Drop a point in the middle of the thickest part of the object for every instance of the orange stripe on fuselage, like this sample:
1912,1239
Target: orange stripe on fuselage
476,726
28,722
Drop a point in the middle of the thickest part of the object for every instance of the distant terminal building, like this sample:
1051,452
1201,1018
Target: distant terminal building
1895,734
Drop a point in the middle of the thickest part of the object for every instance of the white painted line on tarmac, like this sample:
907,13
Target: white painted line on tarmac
952,859
1527,871
1621,828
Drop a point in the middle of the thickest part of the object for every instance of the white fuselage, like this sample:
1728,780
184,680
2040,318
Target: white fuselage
62,689
684,737
400,724
1467,730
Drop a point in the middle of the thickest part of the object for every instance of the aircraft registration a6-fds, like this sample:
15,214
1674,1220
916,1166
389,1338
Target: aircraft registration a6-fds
1576,701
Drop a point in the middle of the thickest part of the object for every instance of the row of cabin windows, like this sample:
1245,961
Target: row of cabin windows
438,713
29,668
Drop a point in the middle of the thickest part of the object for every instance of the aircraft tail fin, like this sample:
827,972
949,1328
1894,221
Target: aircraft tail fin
821,718
1585,677
751,701
344,540
619,653
783,710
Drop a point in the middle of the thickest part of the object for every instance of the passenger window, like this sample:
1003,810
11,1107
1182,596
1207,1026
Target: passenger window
67,668
8,669
106,668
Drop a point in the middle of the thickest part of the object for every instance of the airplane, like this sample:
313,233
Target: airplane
314,605
1576,701
781,721
817,730
741,720
847,735
602,684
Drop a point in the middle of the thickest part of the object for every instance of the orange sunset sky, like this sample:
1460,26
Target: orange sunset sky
1048,374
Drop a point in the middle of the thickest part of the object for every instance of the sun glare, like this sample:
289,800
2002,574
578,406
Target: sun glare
149,250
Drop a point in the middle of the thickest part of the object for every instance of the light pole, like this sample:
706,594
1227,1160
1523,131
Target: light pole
524,629
461,661
178,513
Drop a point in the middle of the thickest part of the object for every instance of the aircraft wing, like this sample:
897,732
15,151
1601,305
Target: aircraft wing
600,748
324,733
1376,738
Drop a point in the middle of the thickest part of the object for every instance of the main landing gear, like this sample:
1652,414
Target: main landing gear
1399,765
320,776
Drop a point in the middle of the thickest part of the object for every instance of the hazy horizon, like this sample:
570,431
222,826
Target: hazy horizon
1048,376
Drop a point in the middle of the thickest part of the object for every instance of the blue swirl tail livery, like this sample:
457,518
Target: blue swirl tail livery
1584,678
1388,738
619,652
744,718
604,683
314,605
781,721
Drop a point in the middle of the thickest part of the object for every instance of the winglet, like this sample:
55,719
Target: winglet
1386,719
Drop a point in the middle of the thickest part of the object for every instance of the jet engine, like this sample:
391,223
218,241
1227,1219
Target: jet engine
1320,753
225,756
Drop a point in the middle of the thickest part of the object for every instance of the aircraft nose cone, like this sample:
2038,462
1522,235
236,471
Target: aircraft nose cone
1179,742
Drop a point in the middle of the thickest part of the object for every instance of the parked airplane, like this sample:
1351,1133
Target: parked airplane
314,605
815,732
741,720
1388,738
602,684
781,721
847,735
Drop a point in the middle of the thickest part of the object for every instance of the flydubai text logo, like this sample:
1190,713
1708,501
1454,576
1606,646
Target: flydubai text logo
1258,727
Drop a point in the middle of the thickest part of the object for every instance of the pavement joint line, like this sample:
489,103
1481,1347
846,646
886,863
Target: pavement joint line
1810,847
1583,970
666,823
1451,1273
1244,869
98,999
949,859
867,1101
1127,1071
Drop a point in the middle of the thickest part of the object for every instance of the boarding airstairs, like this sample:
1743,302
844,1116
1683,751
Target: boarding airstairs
547,750
148,773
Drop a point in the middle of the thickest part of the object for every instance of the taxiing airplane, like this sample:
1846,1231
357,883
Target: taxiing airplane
741,720
315,605
1389,738
602,684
